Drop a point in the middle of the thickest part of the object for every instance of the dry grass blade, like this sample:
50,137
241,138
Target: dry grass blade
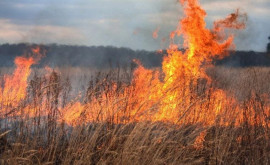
4,134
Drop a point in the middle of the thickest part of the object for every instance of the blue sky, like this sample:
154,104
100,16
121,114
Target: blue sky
121,23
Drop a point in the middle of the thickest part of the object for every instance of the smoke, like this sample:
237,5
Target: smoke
254,37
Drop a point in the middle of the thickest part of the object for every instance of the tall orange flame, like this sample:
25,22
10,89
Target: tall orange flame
182,71
14,87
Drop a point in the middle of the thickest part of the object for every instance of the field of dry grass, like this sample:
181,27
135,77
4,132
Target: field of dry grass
25,139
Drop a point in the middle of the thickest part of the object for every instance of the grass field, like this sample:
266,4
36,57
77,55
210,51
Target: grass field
44,139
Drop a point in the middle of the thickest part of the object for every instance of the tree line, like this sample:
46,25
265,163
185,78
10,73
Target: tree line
111,57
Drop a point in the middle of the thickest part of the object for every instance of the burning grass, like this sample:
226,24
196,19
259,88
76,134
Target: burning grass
48,139
180,113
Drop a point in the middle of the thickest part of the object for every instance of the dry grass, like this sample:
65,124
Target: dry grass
45,140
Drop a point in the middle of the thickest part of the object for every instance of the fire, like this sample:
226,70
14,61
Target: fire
14,87
183,70
180,92
72,113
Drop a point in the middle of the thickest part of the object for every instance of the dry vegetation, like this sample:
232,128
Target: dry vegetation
45,140
186,112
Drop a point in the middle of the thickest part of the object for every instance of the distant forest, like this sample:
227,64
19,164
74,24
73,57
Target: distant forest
110,57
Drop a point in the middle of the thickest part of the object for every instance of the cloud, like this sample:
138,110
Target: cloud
13,33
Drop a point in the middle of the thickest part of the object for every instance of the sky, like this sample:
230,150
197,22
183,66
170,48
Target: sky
121,23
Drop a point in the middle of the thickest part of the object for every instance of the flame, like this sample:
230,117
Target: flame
72,113
172,93
182,70
14,88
